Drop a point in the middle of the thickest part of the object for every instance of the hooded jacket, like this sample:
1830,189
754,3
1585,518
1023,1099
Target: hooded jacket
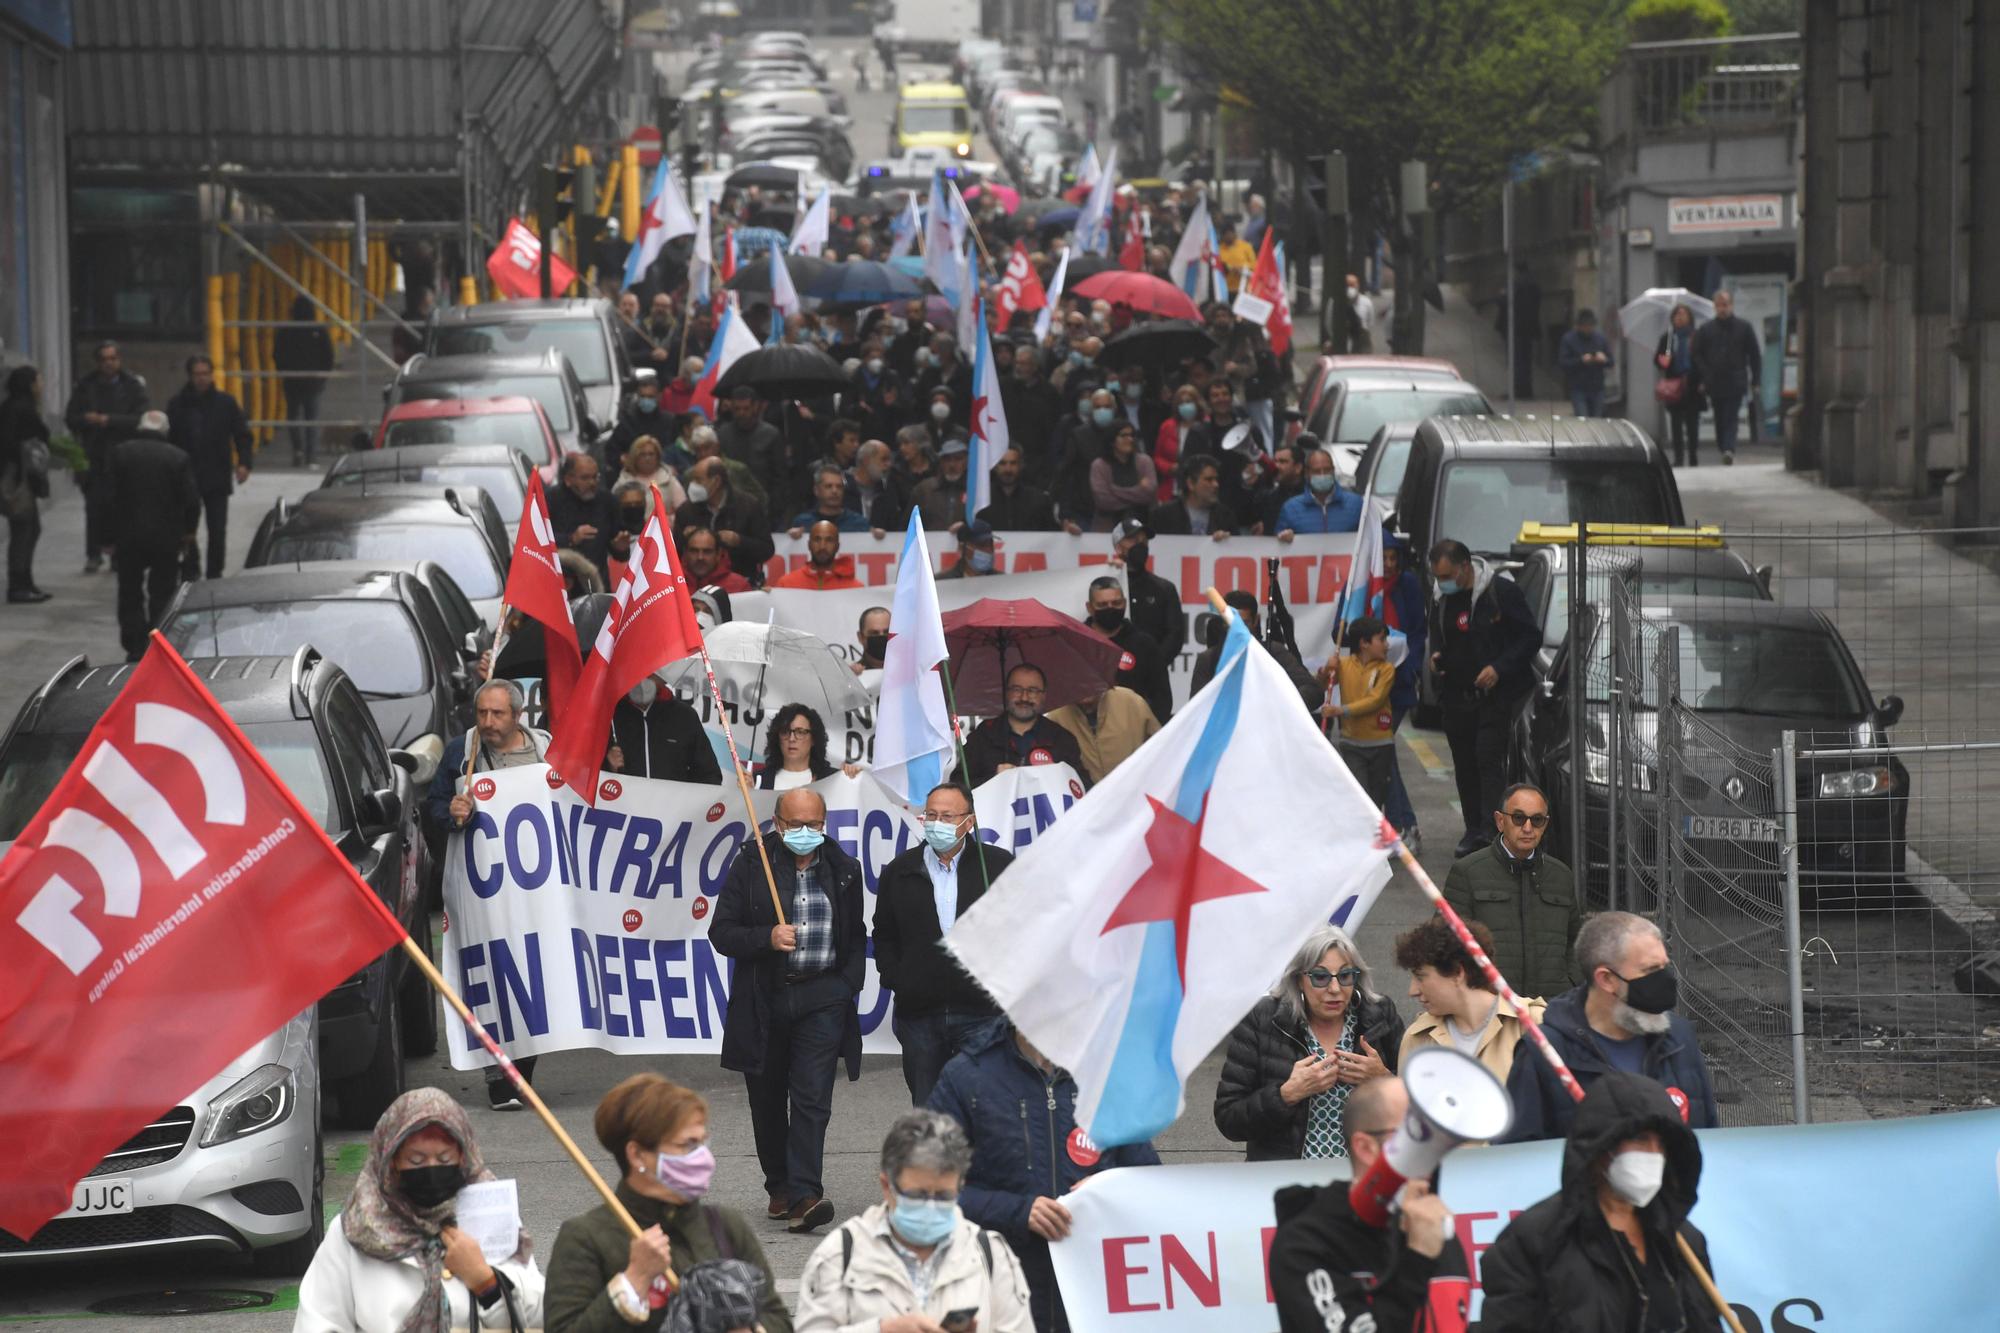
1022,1124
1330,1269
1262,1050
1489,626
1543,1109
1532,909
1559,1268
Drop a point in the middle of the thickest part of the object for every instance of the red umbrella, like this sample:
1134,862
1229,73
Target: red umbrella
991,637
1139,291
1009,198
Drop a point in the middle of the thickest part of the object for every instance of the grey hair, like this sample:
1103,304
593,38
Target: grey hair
630,488
1290,1000
1601,942
927,1140
153,422
701,434
516,698
872,449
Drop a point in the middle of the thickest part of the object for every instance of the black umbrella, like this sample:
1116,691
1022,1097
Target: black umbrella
765,175
525,655
1158,342
1084,266
785,371
859,283
754,275
777,219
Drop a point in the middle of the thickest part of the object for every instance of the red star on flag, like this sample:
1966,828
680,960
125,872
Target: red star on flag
1183,873
979,417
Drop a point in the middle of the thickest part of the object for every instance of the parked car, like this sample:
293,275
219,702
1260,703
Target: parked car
1355,406
498,469
239,1165
519,423
548,379
457,526
1327,371
383,628
1749,671
585,331
311,724
1379,470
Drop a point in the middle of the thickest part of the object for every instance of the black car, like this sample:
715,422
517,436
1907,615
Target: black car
1477,479
548,379
498,469
587,332
309,721
457,526
383,628
1749,670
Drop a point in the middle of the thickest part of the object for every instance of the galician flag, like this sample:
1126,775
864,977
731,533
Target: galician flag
903,231
1183,883
942,239
1046,318
810,236
912,725
701,260
665,216
784,297
1093,225
1193,266
733,340
989,423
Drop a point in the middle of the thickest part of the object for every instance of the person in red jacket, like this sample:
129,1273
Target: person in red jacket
825,566
1174,432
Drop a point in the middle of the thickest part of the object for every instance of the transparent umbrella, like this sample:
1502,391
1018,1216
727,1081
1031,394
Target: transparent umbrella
1644,318
761,668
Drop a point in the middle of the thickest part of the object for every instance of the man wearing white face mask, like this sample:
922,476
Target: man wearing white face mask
656,734
1601,1253
918,897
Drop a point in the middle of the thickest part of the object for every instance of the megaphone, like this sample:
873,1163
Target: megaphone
1453,1099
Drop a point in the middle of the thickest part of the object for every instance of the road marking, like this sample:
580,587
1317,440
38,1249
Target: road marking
1427,755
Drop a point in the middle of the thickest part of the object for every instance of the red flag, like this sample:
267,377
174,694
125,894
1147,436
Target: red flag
170,905
650,623
1020,287
515,266
1132,254
536,588
1267,283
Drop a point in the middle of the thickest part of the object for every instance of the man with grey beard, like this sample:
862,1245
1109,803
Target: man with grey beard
1622,1017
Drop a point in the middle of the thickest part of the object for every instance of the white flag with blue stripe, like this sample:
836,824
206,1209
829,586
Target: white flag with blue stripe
912,725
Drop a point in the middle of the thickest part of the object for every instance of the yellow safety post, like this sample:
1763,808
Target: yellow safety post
252,395
607,194
378,269
628,192
468,290
232,337
215,320
269,394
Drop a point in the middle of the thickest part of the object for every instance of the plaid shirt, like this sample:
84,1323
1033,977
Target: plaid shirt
812,913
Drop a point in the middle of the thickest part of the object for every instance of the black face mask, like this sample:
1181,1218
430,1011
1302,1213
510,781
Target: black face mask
1654,993
429,1186
1108,619
875,647
635,517
1135,557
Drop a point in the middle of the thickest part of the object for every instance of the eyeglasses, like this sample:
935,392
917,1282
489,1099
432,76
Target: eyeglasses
1522,819
816,825
801,733
943,816
1025,691
1319,978
928,1196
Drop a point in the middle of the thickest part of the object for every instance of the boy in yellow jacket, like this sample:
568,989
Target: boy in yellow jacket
1367,731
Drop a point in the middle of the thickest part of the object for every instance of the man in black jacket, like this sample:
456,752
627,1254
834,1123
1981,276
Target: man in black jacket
918,897
1200,511
1032,407
149,490
1021,736
791,998
209,424
103,410
642,416
1143,667
1153,603
1017,506
1483,640
303,353
1330,1269
657,734
740,524
581,514
1601,1253
1728,365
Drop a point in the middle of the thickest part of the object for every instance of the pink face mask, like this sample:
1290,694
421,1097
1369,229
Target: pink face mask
688,1175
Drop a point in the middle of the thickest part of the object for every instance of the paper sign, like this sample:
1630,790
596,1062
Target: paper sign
1253,308
490,1213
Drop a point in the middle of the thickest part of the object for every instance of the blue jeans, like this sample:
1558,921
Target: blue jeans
929,1041
1726,410
1584,403
1398,811
791,1101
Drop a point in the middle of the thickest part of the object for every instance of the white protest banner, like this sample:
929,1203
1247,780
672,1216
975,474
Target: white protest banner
571,926
1312,570
1178,1248
1253,308
489,1211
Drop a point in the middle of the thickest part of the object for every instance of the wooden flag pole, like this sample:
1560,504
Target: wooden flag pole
743,785
472,741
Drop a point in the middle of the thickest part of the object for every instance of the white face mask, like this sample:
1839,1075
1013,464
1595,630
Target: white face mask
697,492
1635,1176
939,411
643,694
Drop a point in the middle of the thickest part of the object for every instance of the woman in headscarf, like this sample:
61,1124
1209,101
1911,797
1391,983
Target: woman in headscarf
395,1261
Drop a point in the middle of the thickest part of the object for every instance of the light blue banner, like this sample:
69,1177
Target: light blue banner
1870,1225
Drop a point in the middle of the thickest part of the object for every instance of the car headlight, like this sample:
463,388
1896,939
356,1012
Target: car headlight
255,1102
1857,782
964,150
1597,772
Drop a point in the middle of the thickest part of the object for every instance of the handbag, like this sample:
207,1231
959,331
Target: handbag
35,467
1670,390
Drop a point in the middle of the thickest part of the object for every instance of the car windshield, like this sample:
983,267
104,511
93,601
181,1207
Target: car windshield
502,483
1365,411
453,545
921,119
519,431
1485,501
1655,587
547,390
32,765
579,338
375,642
1390,465
1735,666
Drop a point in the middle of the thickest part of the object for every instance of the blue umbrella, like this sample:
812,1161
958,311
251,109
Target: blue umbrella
754,241
1052,220
911,265
861,283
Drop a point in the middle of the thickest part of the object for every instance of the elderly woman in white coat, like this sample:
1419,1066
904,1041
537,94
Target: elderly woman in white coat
914,1258
393,1262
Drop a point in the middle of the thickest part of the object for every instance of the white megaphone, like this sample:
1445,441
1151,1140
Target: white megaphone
1453,1099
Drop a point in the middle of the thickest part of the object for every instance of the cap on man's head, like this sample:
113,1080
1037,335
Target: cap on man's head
942,391
1131,527
952,446
976,532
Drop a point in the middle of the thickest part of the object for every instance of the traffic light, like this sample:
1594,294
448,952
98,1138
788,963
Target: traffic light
554,197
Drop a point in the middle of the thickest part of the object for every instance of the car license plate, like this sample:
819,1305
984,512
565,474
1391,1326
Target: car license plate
101,1195
1732,828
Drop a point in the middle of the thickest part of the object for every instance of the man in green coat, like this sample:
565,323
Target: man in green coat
1526,897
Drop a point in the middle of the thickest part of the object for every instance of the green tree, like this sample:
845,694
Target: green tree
1465,86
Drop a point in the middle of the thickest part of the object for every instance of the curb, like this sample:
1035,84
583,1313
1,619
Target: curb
1956,915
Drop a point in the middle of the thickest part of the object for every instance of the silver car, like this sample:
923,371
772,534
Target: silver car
236,1167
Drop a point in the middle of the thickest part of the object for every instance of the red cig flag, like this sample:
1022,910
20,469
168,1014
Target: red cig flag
170,905
536,588
515,266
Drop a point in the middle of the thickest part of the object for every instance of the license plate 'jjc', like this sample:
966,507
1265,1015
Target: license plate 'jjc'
99,1196
1732,828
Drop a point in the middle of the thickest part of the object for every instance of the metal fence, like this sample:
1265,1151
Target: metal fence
1828,887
